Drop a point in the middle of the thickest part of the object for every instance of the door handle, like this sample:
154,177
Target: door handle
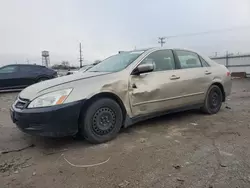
208,72
174,77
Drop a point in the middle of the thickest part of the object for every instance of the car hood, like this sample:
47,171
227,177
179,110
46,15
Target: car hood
35,90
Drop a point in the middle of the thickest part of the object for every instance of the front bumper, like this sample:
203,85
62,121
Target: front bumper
54,121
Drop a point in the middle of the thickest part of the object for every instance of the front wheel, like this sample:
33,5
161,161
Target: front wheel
102,121
213,100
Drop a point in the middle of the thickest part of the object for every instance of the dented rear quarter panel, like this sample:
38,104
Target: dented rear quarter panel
219,75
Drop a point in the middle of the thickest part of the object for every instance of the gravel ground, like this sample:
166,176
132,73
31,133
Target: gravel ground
187,149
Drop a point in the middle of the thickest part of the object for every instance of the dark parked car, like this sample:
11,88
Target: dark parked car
19,76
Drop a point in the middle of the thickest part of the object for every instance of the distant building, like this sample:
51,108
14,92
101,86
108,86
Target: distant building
235,63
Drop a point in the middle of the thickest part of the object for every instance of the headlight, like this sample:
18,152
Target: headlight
50,99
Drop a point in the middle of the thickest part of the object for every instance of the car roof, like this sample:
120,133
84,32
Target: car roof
167,48
24,65
30,65
160,48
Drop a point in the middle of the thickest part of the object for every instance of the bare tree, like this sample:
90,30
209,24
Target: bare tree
65,63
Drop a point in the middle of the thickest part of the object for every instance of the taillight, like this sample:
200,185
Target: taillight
228,73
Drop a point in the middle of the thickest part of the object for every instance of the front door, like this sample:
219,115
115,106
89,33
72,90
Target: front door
28,74
158,90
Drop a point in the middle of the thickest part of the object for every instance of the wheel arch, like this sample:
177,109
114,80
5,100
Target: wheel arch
103,95
222,90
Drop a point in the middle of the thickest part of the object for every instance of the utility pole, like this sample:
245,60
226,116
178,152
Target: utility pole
80,55
227,58
162,40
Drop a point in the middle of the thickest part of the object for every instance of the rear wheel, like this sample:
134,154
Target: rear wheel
102,121
213,100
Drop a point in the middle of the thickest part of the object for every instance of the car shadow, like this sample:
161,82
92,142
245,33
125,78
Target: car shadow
163,120
56,145
10,91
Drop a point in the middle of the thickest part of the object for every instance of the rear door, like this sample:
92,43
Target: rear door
9,77
29,74
195,76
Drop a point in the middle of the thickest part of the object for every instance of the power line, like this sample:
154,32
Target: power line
162,40
206,32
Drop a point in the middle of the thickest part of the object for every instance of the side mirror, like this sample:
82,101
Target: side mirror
143,68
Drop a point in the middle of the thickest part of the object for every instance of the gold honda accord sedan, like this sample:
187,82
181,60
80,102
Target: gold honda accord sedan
121,90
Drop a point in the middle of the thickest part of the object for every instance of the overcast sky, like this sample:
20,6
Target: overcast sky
106,26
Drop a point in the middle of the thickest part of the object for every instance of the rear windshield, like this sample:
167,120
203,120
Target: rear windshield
117,62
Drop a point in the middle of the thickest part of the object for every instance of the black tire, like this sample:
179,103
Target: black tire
213,100
102,121
41,79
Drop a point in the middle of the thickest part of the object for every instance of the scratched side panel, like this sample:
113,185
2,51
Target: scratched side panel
154,92
119,86
116,83
148,89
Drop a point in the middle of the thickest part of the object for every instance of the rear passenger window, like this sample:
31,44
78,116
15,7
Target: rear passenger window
9,69
188,59
29,68
162,60
204,63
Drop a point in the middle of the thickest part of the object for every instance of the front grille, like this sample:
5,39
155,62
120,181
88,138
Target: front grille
21,103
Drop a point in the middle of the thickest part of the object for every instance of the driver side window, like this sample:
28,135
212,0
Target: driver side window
8,69
162,59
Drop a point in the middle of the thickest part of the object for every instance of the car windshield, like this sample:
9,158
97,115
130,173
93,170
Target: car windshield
117,62
83,69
